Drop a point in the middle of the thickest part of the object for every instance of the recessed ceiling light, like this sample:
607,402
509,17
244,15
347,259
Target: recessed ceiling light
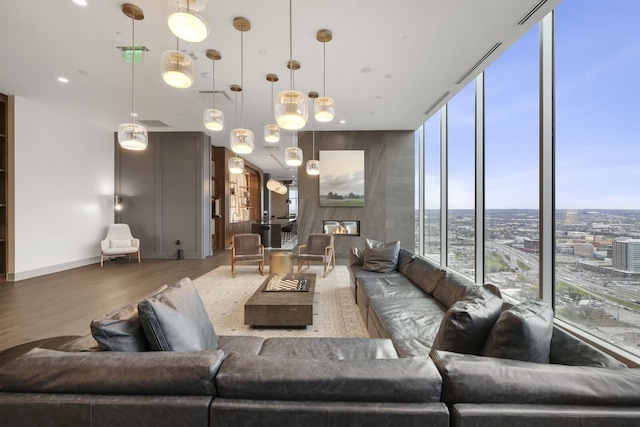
343,121
80,2
63,80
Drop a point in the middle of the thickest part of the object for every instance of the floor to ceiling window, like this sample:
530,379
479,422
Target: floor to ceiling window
511,88
461,181
431,138
597,50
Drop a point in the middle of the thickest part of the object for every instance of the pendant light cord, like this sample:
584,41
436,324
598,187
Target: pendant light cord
242,78
324,69
291,42
213,85
133,54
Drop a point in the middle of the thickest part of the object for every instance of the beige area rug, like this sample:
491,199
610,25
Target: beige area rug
335,313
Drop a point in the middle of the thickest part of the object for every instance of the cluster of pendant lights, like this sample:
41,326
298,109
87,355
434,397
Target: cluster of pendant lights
188,20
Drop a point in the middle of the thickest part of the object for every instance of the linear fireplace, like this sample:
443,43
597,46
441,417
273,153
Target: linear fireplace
349,227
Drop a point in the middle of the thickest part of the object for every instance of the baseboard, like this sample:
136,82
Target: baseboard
14,277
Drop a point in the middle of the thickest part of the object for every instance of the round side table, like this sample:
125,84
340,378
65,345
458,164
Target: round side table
280,263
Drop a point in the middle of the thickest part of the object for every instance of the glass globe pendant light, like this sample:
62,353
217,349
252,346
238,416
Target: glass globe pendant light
132,136
242,140
236,165
291,109
293,154
313,165
189,19
213,118
177,68
271,131
324,107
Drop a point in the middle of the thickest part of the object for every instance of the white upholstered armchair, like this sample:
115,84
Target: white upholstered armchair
119,242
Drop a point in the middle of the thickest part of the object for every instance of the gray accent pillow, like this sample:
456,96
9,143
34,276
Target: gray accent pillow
381,257
522,332
176,320
405,258
107,372
424,274
452,287
121,330
468,322
356,256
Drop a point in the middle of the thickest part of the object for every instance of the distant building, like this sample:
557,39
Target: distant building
626,255
531,246
583,250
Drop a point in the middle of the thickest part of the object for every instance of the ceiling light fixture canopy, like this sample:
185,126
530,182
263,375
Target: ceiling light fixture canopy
189,19
213,118
242,140
132,136
271,131
177,68
324,107
291,109
313,165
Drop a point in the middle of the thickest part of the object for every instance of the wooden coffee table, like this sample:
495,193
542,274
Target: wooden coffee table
281,308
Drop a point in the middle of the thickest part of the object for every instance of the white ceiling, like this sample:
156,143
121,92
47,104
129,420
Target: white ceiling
388,62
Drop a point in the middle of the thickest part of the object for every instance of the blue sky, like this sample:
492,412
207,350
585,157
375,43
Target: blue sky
597,117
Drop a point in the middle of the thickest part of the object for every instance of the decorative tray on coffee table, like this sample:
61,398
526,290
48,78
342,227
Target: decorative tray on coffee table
288,283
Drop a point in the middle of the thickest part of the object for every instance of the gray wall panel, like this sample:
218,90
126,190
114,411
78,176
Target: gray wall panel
166,194
389,209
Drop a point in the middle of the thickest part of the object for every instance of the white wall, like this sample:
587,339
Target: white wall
64,187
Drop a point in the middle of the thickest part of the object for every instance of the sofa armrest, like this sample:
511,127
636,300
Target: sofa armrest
110,372
478,379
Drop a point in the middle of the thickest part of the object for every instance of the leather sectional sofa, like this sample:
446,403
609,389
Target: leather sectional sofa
575,384
405,375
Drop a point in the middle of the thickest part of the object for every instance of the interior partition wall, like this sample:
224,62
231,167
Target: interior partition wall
527,177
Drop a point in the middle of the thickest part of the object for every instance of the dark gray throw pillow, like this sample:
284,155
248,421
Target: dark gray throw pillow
121,330
468,322
176,320
381,257
522,332
425,274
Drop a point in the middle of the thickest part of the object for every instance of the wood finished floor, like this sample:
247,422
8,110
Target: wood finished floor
64,303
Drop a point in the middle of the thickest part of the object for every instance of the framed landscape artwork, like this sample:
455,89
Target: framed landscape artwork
342,178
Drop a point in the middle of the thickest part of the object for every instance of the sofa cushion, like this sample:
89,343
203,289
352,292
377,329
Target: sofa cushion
406,317
373,380
329,348
424,274
397,286
479,379
569,350
523,332
452,287
240,344
381,257
468,322
176,320
121,330
405,258
109,372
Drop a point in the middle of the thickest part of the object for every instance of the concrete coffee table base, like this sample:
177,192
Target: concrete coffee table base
286,308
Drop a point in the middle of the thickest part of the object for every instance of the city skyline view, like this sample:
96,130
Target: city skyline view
595,52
